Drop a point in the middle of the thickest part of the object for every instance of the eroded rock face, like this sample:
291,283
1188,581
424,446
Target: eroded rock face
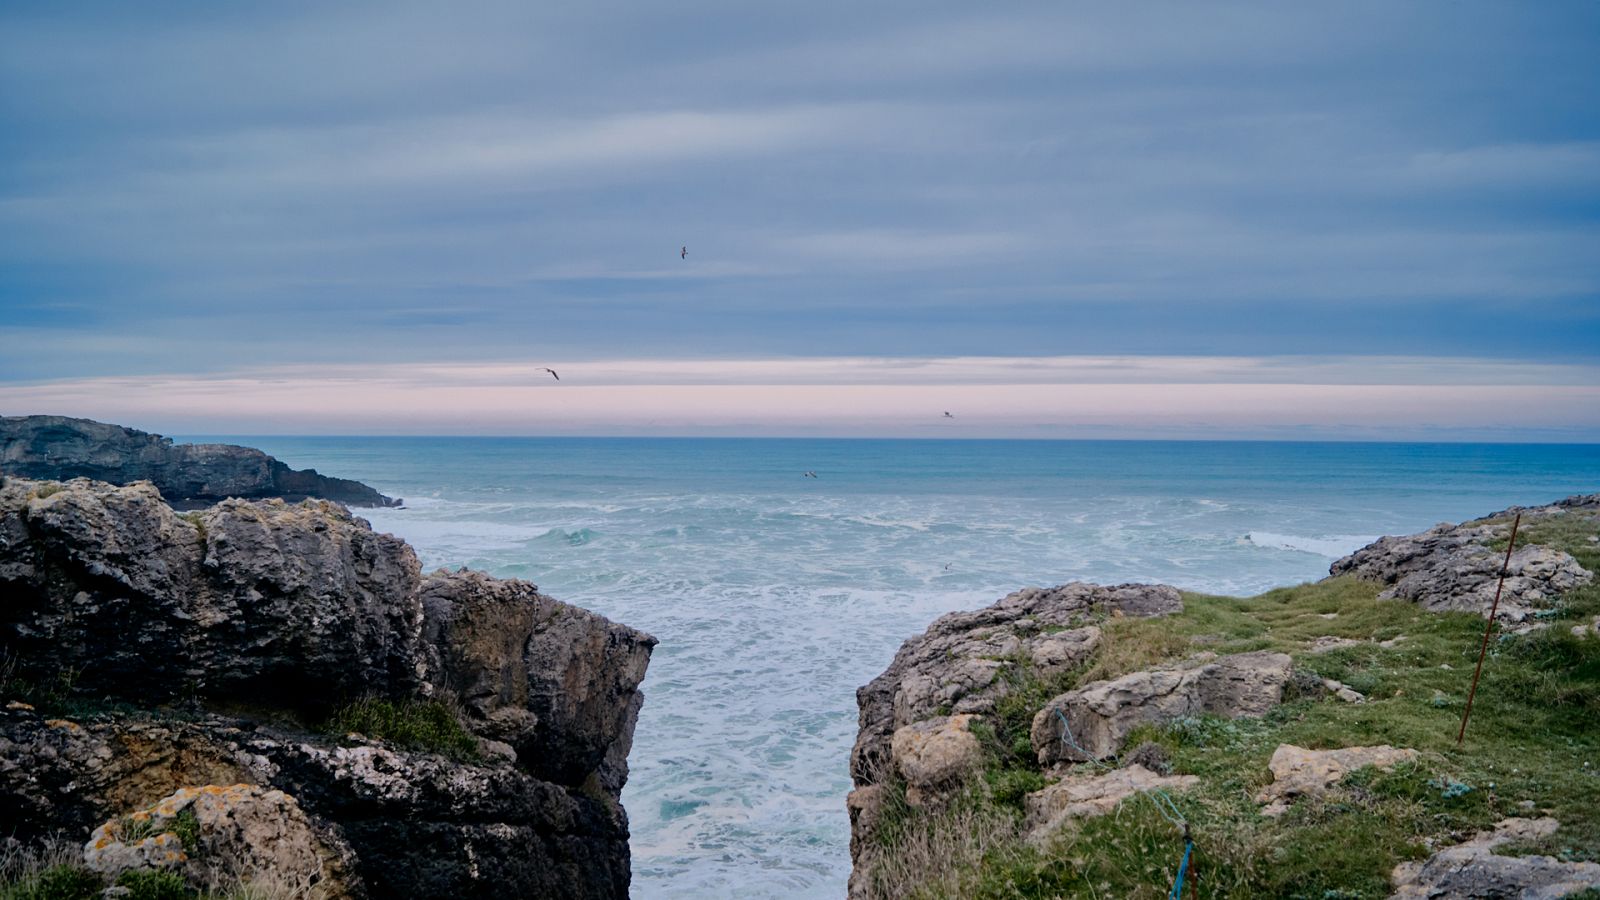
1103,713
60,448
1082,796
1453,567
958,664
557,683
294,608
1473,870
1298,772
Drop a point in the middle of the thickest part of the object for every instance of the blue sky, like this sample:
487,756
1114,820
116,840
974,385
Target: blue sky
205,193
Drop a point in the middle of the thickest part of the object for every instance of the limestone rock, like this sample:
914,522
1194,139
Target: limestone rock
957,665
298,608
935,756
214,834
59,448
556,682
1452,567
1082,796
1297,771
1101,714
261,600
490,829
1473,870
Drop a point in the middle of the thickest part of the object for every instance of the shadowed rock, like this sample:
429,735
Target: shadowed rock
291,609
60,448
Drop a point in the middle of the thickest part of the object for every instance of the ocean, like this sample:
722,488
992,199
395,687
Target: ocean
775,595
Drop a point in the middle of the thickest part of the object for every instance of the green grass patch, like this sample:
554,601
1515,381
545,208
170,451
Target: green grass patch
154,884
1532,748
416,725
58,882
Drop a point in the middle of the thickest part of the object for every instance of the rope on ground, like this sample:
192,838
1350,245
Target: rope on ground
1159,798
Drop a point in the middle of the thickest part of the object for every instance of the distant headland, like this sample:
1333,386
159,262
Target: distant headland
188,475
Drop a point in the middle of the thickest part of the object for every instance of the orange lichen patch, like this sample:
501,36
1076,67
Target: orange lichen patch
63,723
140,816
100,843
18,704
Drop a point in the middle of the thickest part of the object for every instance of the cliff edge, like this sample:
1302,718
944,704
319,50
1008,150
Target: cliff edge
263,691
59,448
1137,741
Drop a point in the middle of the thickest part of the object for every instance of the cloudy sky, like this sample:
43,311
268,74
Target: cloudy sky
1156,219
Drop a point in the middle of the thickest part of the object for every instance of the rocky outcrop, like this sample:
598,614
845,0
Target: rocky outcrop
915,718
1474,870
60,448
1082,796
1100,715
1298,772
960,664
289,610
1454,567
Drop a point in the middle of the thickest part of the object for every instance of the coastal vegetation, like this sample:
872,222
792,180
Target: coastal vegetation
1531,749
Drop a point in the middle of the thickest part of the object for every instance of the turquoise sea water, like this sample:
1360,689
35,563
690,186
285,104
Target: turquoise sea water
775,595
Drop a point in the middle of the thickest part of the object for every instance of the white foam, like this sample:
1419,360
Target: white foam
1332,546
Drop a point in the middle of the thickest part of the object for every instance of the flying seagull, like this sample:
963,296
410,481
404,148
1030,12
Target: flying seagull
810,474
947,415
552,373
684,253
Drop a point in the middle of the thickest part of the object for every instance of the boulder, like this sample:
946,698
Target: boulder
1102,714
1298,772
58,448
935,757
1082,796
1473,870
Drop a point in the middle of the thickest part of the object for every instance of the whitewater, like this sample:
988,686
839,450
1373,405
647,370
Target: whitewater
776,595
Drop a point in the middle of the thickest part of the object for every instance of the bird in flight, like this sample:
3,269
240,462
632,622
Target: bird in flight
810,474
684,253
552,373
947,415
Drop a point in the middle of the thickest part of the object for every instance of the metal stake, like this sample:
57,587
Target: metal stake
1484,650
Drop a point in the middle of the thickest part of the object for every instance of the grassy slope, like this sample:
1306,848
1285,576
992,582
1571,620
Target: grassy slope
1534,736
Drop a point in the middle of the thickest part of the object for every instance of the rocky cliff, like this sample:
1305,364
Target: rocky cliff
1124,741
283,676
57,447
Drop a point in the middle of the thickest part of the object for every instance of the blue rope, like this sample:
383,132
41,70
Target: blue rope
1177,886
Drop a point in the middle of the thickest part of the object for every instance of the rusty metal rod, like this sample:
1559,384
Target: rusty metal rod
1488,629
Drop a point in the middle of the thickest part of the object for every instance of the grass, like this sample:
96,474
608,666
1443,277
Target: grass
416,725
1532,748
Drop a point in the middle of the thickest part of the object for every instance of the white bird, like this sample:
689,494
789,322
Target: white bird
551,371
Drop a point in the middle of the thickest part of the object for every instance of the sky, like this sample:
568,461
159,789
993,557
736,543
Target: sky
1351,220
